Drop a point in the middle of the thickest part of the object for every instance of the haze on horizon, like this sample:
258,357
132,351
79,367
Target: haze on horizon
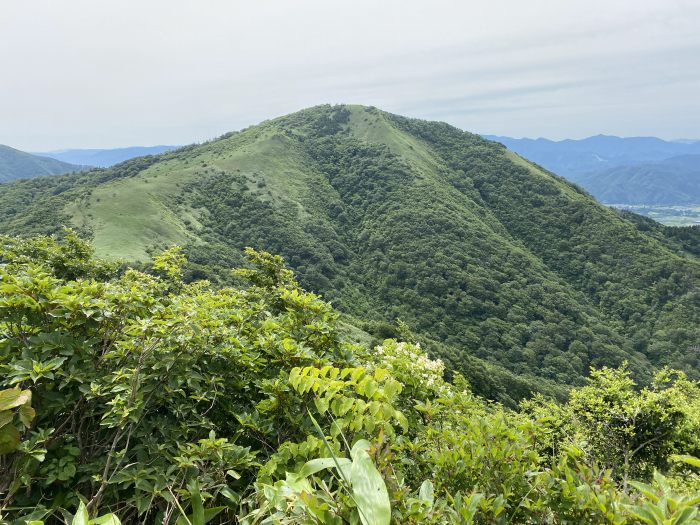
85,74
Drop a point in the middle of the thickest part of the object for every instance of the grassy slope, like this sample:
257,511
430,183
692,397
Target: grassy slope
482,252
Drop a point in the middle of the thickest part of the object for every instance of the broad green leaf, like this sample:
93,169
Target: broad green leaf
368,487
426,492
81,515
643,514
380,374
107,519
690,460
14,397
6,416
9,439
316,465
342,406
321,404
645,489
196,502
687,515
26,415
209,514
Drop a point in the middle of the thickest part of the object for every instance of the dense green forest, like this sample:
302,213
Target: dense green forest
514,277
141,395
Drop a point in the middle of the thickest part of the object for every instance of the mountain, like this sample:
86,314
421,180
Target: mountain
637,170
674,181
104,158
518,279
16,164
571,158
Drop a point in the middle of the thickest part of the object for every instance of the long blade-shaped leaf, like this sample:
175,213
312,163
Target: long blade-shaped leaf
368,487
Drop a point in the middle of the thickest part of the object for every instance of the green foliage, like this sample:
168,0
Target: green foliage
143,383
82,517
15,407
162,401
633,432
357,401
361,493
663,506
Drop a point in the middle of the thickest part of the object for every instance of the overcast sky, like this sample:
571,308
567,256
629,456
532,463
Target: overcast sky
108,73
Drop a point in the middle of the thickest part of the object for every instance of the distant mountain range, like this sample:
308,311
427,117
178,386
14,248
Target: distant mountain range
635,170
16,164
104,158
570,158
674,181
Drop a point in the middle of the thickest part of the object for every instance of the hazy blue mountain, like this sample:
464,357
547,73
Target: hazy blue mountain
570,158
16,164
635,170
104,158
674,181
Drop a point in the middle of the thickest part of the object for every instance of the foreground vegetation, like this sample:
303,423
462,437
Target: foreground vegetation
135,396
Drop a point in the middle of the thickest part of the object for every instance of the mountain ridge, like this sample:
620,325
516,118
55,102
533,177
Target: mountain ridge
104,157
619,170
672,181
16,164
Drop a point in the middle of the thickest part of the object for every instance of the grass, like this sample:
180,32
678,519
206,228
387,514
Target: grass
129,216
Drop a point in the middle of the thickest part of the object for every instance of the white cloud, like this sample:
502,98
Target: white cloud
81,73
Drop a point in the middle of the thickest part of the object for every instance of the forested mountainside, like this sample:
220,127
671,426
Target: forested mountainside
517,278
16,164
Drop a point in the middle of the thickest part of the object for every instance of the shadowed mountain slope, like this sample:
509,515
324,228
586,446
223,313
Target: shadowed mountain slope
16,164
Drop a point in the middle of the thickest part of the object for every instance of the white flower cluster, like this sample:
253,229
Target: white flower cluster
409,363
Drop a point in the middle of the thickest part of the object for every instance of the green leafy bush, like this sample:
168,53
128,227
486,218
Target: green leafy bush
161,401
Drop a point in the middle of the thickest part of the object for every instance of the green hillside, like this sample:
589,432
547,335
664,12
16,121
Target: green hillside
517,278
15,164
